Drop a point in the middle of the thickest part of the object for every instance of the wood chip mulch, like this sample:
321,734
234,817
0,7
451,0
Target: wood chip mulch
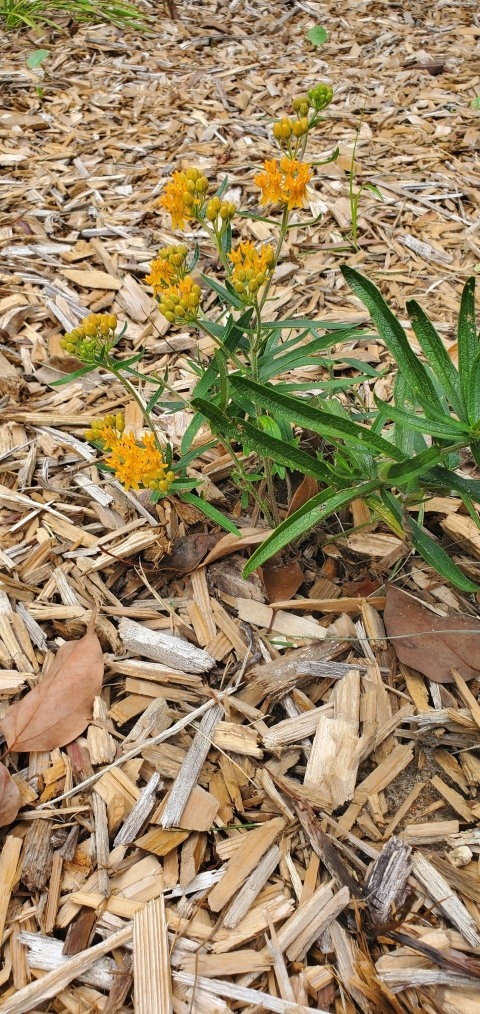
267,809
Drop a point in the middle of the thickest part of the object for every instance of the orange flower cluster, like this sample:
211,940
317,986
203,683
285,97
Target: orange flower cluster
287,183
252,267
135,465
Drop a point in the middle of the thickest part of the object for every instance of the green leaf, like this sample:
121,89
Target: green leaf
283,453
313,419
317,35
439,559
467,337
186,459
394,337
310,515
402,472
431,552
475,103
35,59
73,376
451,480
228,297
437,355
450,430
474,392
191,431
212,513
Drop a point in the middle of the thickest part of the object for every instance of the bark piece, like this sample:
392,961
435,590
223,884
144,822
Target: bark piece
160,647
31,996
38,855
385,886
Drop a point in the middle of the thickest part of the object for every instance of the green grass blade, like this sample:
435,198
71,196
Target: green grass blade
393,335
328,425
466,337
437,355
311,514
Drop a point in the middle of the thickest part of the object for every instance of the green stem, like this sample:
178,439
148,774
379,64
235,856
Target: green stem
116,370
283,232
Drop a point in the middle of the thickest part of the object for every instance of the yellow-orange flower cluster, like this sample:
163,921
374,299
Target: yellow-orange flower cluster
286,183
184,196
162,274
135,465
251,267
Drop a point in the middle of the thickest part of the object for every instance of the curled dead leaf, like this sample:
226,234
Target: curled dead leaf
10,798
440,648
59,708
307,488
281,579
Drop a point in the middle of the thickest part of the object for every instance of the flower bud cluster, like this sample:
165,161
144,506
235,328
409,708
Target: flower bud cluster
184,196
107,430
181,302
217,208
320,97
96,332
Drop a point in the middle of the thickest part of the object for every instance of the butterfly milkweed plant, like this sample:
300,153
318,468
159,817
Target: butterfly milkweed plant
392,458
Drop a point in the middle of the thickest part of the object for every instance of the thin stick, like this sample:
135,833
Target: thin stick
162,736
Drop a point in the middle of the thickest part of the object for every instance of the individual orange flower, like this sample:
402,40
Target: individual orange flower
287,184
162,274
270,182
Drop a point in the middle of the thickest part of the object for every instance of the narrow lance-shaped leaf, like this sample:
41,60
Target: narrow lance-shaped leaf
311,514
404,471
431,552
328,425
393,335
474,392
451,429
437,355
282,453
212,513
466,337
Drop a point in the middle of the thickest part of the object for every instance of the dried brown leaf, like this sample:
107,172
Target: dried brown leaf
59,708
307,488
10,799
441,649
281,579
